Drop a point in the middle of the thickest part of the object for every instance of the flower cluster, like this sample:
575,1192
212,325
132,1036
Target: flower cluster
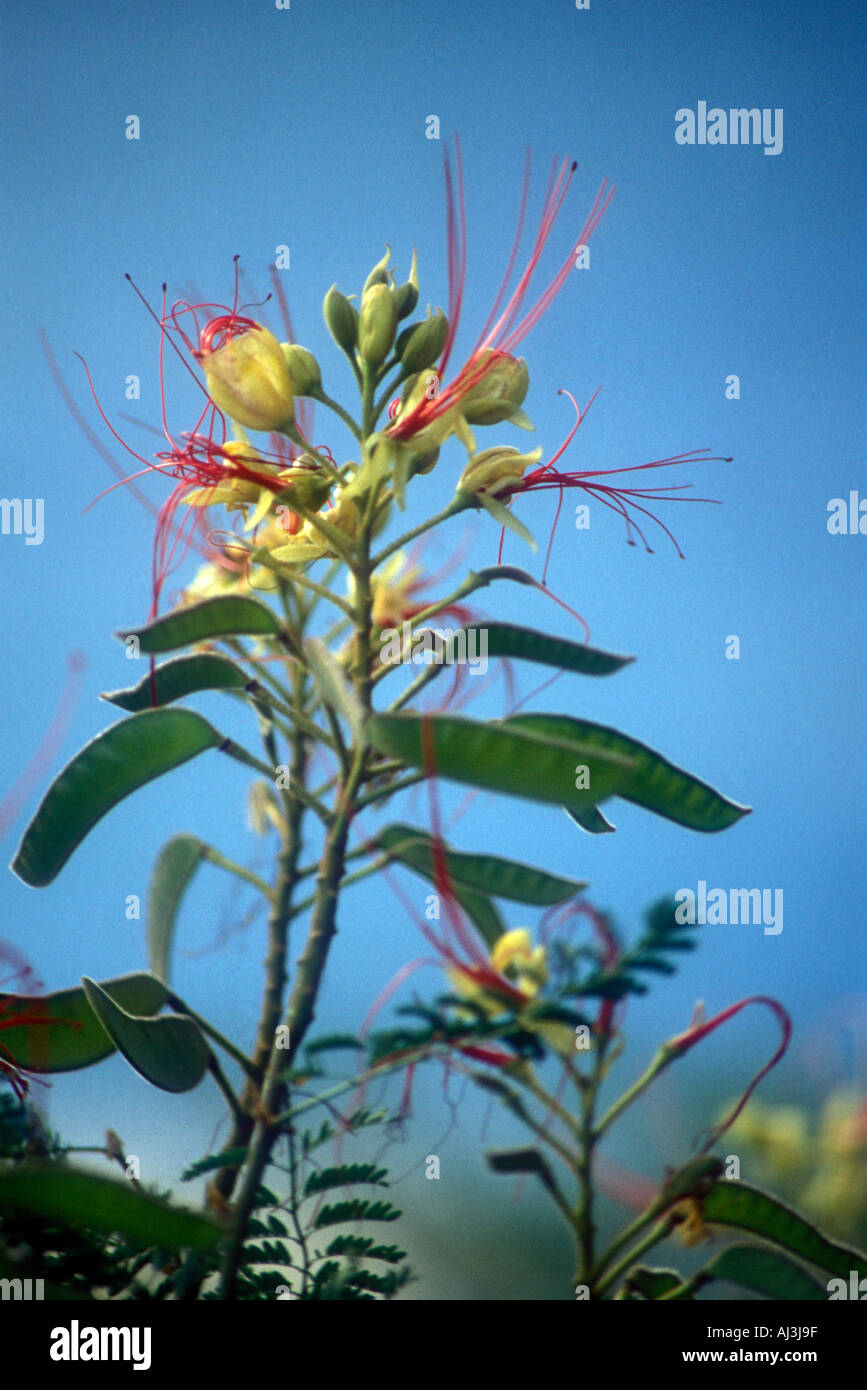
293,502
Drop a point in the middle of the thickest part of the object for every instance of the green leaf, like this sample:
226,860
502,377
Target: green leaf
357,1209
731,1203
655,783
332,684
507,1094
333,1040
176,863
174,679
270,1252
765,1272
501,878
653,963
229,1158
523,1161
653,1283
592,820
365,1247
344,1176
525,644
65,1196
695,1178
168,1052
227,616
115,763
387,1284
413,848
76,1038
520,762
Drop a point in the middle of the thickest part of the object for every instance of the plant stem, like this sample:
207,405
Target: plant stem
228,1094
414,687
346,881
368,412
275,1060
391,789
293,1193
457,504
321,592
338,409
663,1056
653,1237
175,1002
213,856
294,433
529,1079
275,972
585,1227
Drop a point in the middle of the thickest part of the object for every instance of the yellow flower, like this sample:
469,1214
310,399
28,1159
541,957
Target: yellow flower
496,471
248,376
311,542
431,423
497,395
515,957
518,970
241,478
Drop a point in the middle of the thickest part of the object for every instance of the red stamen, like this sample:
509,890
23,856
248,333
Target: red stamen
684,1041
505,334
618,499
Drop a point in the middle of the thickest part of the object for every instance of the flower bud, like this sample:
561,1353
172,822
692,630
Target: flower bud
405,299
423,463
406,296
249,380
341,319
377,324
344,516
379,274
498,394
303,369
306,483
496,472
420,344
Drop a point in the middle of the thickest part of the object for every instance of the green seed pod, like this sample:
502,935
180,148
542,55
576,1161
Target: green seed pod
341,319
420,344
303,369
377,324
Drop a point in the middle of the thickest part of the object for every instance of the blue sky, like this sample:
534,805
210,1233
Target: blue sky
306,127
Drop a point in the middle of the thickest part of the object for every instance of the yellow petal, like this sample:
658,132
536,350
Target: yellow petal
262,508
514,945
